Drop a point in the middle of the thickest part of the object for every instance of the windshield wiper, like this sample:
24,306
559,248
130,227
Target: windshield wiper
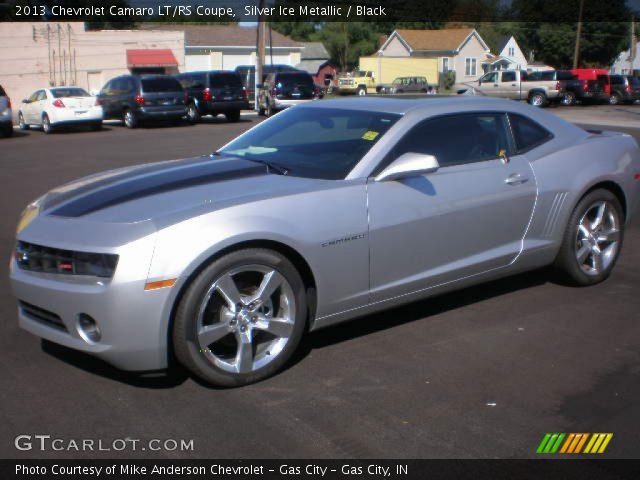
279,169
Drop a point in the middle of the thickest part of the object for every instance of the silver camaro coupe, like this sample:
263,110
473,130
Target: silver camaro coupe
323,213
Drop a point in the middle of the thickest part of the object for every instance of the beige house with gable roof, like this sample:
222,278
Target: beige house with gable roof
456,49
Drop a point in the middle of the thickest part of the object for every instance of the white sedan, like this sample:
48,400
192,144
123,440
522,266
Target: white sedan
57,106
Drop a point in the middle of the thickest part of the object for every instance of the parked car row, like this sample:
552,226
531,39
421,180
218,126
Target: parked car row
567,87
135,99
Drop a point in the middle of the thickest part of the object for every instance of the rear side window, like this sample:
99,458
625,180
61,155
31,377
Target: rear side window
485,135
564,75
509,76
542,76
221,80
193,81
160,84
527,133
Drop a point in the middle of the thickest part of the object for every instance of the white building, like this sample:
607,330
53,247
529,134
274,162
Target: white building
40,54
625,65
224,47
509,57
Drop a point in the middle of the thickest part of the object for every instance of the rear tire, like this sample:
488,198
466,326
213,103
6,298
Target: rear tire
538,99
46,124
7,130
592,239
193,115
614,99
270,110
233,116
95,127
227,333
130,119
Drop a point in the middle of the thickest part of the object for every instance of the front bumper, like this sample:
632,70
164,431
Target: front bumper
132,321
162,114
222,107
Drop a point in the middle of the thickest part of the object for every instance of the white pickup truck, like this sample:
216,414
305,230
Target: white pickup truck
516,85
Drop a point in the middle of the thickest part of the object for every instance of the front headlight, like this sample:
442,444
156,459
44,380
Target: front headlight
28,214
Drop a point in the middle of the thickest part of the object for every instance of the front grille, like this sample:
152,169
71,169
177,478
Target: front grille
42,315
37,258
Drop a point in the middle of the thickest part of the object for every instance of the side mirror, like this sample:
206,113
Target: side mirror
24,100
480,81
409,165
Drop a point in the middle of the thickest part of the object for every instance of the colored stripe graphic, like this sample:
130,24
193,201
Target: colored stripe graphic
598,442
573,443
550,443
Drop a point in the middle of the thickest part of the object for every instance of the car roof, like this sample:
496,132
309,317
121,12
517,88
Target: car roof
410,103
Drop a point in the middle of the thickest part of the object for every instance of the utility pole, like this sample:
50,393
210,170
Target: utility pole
69,51
60,52
576,53
632,50
260,50
49,53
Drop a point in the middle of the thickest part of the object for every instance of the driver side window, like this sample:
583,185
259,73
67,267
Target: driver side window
458,139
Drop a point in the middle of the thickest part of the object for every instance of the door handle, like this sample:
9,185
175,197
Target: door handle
516,179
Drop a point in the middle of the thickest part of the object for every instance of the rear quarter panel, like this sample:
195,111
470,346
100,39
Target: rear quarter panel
566,175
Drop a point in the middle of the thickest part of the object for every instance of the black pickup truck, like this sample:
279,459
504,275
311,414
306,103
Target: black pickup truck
584,91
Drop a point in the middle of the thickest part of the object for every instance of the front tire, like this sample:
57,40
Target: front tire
592,239
21,122
568,99
614,99
241,318
362,91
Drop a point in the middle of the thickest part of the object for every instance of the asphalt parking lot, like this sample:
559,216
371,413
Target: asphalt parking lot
480,373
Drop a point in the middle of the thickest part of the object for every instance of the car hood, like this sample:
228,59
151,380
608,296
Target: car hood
168,191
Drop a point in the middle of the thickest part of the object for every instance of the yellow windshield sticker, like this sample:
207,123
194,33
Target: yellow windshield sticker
370,135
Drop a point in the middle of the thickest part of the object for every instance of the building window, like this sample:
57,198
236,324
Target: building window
445,64
512,51
470,67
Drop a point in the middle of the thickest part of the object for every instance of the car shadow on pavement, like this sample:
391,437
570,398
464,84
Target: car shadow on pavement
388,319
362,326
170,378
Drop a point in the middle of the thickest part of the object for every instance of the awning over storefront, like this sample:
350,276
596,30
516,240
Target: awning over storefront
160,57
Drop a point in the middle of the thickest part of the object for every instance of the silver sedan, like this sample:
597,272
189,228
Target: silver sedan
325,212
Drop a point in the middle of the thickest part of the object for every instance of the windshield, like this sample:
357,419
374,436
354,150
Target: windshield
314,142
69,92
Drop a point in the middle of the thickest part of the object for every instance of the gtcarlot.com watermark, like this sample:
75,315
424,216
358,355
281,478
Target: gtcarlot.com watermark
48,443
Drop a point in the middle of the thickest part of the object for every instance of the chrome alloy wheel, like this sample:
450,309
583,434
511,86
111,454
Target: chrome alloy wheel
597,238
246,318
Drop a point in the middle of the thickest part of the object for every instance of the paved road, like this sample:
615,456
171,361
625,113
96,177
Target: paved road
480,373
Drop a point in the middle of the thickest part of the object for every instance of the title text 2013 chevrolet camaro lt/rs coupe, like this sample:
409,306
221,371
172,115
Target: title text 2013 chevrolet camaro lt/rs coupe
326,212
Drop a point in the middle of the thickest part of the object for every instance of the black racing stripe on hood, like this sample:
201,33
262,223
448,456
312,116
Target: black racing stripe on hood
85,185
166,180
